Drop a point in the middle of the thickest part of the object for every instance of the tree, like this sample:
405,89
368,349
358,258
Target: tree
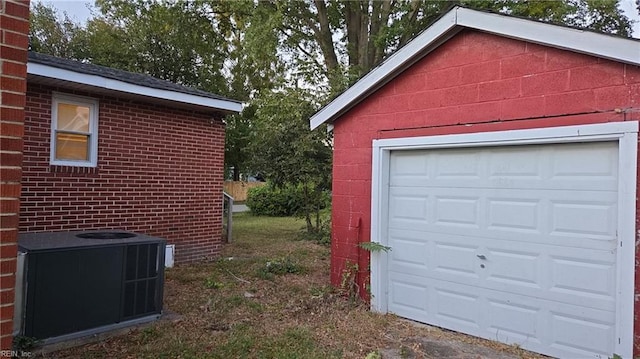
55,34
238,137
174,41
287,153
342,40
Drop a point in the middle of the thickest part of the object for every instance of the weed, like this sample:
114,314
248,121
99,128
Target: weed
348,284
279,266
320,291
149,334
405,352
23,343
212,283
374,247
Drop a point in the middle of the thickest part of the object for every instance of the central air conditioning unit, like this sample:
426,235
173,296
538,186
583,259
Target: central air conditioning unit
76,284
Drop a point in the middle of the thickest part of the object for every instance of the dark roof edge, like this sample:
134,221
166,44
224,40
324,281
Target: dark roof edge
124,81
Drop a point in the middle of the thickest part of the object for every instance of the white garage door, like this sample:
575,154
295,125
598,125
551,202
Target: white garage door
514,243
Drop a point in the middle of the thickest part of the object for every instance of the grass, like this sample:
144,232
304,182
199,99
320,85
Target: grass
267,296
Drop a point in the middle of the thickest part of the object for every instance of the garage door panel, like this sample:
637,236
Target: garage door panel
515,267
464,164
569,218
588,279
459,211
589,166
456,260
411,252
514,215
585,161
457,306
514,321
410,206
595,219
570,330
568,275
537,324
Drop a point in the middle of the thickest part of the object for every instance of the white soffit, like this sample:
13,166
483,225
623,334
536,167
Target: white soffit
121,86
581,41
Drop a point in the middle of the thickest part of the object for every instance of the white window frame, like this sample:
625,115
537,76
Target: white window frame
93,128
625,133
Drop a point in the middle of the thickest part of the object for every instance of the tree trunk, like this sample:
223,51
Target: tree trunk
307,211
352,20
324,37
411,16
379,19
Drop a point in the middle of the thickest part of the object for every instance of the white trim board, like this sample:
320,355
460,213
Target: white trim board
121,86
626,133
581,41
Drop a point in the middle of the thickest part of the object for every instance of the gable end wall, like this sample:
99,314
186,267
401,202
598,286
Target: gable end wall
475,82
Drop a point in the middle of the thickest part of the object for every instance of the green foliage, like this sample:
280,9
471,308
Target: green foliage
149,334
238,135
55,34
271,201
213,283
288,154
348,283
283,201
322,230
374,247
23,343
173,41
279,266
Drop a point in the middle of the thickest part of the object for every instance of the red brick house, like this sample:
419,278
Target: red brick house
14,28
497,157
106,148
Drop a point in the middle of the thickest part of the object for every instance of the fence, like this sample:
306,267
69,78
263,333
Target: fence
238,189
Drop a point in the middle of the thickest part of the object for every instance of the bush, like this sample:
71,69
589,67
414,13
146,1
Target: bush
322,233
284,201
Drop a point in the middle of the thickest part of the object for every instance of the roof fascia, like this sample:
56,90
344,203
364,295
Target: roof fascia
576,40
121,86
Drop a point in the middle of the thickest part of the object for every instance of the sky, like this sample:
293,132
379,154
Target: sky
80,10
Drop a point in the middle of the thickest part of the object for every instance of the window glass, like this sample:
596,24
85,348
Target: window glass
72,147
73,118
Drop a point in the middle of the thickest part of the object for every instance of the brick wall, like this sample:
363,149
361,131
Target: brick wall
160,172
14,27
475,82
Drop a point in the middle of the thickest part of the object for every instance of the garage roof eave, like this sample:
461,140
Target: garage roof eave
582,41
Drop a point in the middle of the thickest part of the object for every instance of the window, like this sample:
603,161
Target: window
74,131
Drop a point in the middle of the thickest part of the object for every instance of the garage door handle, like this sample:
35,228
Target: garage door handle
481,256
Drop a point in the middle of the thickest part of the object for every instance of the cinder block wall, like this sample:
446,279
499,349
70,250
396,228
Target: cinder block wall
160,172
14,28
475,82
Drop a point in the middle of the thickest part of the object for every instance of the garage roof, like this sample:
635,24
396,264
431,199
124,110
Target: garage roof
583,41
53,70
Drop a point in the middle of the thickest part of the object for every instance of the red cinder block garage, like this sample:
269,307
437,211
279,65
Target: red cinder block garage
497,158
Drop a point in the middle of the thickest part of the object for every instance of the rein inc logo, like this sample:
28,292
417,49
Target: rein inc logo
15,354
